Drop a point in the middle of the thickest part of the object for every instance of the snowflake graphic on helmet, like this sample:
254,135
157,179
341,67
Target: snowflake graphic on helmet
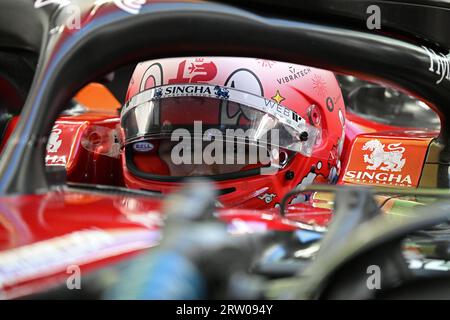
319,85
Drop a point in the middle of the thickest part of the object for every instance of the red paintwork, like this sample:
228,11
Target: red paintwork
41,235
106,223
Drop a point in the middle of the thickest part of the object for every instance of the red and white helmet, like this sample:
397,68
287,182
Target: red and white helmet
180,111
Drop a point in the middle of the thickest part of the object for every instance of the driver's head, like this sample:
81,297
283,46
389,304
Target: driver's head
256,127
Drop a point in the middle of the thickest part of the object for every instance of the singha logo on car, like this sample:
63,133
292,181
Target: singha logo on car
386,161
54,141
390,160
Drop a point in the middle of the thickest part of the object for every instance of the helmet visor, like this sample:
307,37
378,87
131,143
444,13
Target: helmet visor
210,130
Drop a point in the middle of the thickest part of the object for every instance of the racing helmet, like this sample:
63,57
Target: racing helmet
257,128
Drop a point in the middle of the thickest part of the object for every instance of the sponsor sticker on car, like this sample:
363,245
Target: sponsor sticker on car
386,161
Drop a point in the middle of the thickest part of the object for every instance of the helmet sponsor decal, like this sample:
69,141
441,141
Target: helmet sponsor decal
142,146
294,74
221,93
197,71
280,112
329,102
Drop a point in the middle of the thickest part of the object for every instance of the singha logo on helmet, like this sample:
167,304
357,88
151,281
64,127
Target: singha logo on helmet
158,93
391,159
221,92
